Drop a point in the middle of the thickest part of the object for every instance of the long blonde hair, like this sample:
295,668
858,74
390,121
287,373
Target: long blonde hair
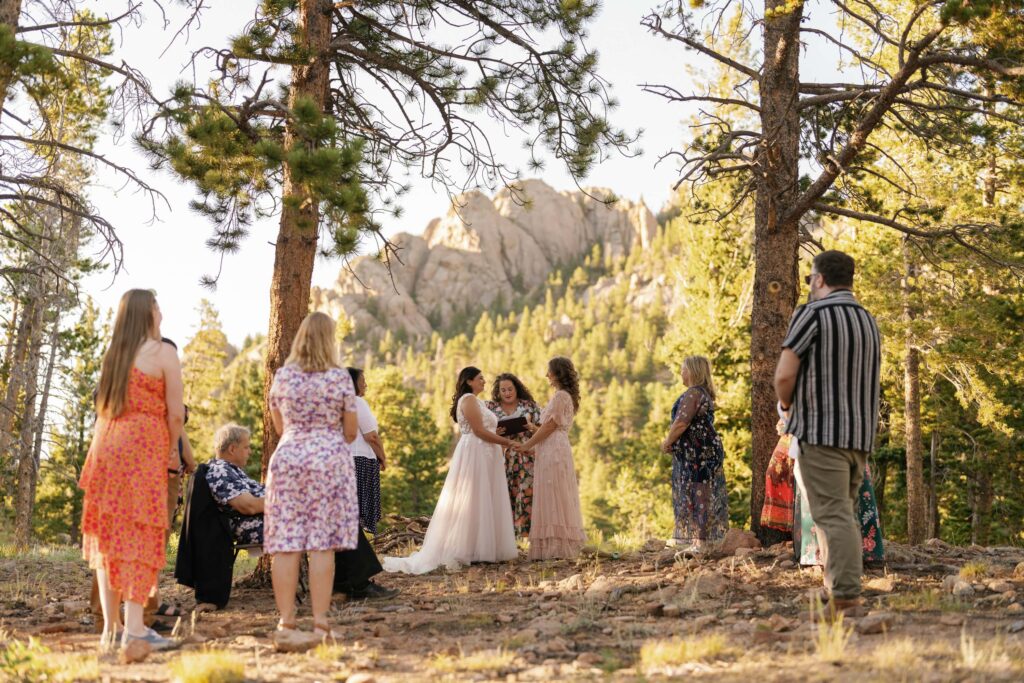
314,348
699,370
132,327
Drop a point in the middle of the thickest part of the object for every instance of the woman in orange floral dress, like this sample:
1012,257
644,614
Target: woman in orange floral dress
124,516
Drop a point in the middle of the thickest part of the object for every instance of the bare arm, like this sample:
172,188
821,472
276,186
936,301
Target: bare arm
186,453
174,393
275,417
785,377
540,434
471,409
373,441
687,411
350,425
247,504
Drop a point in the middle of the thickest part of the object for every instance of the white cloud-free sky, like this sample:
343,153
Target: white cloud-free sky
167,252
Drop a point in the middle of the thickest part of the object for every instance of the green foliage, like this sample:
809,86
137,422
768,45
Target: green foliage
58,498
203,361
416,450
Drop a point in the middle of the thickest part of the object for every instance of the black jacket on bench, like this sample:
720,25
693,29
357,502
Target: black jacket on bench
206,552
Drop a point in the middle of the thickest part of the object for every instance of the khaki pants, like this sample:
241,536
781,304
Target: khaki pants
832,478
153,603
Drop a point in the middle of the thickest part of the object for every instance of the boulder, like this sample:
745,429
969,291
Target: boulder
882,584
707,585
963,589
295,640
879,622
134,652
737,538
999,586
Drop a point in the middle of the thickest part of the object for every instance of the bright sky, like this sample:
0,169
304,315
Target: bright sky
168,253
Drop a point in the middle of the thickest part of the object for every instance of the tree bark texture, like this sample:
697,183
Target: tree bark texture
934,524
10,11
296,246
775,240
27,469
917,503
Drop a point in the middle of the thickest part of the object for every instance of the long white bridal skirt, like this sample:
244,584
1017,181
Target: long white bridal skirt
473,518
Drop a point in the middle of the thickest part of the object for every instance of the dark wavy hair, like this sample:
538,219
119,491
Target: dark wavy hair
567,378
462,388
522,393
355,374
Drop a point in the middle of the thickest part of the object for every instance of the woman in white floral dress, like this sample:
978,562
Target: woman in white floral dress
311,503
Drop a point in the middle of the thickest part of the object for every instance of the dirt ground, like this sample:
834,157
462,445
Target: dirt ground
938,613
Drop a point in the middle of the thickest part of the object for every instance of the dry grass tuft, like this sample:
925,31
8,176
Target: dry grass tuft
662,654
974,570
484,660
831,640
210,666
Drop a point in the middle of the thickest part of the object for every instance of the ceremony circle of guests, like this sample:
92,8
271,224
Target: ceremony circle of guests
511,477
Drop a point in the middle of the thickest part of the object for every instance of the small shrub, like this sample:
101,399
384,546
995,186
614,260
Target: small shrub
30,661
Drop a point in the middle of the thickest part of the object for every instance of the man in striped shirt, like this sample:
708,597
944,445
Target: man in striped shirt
828,387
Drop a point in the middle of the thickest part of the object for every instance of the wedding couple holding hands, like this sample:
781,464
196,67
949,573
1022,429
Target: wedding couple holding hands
473,519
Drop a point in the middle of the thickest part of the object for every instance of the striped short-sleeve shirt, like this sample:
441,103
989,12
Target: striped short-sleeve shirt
835,400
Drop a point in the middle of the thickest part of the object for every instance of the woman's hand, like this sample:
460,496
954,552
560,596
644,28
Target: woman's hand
500,431
666,446
531,426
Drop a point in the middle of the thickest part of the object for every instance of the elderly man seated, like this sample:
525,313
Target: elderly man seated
237,495
224,511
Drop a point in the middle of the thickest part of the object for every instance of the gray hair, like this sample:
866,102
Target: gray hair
227,436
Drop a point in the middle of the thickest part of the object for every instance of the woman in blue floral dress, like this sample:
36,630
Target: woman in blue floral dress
699,497
510,398
311,503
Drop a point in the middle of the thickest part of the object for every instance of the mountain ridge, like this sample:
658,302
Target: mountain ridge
482,250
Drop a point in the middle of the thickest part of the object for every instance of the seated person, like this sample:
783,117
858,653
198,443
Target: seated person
237,495
240,498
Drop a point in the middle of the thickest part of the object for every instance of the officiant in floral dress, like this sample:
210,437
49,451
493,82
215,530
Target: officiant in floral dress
511,399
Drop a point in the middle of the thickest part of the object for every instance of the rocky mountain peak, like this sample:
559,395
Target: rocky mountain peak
484,249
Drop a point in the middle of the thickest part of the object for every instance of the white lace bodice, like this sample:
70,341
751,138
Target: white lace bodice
490,420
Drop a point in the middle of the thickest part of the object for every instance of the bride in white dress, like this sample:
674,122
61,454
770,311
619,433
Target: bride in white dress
473,518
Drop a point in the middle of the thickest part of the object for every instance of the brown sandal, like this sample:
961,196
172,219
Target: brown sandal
325,631
286,625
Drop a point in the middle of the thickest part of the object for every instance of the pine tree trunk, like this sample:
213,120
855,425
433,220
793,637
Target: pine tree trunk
10,10
916,498
28,472
296,247
295,251
775,242
12,326
981,512
9,408
933,494
26,507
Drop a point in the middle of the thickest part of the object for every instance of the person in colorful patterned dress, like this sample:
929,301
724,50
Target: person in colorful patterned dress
806,538
699,497
140,412
311,503
556,529
510,398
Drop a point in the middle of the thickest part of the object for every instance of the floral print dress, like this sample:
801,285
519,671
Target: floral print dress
124,512
311,499
699,497
805,536
519,466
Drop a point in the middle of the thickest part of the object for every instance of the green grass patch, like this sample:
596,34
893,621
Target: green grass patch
925,601
210,666
31,662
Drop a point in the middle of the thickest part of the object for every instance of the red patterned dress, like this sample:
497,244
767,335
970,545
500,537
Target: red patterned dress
124,514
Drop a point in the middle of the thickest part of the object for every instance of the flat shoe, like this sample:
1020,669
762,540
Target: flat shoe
154,639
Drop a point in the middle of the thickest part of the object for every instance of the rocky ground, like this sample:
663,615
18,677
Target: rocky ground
937,613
